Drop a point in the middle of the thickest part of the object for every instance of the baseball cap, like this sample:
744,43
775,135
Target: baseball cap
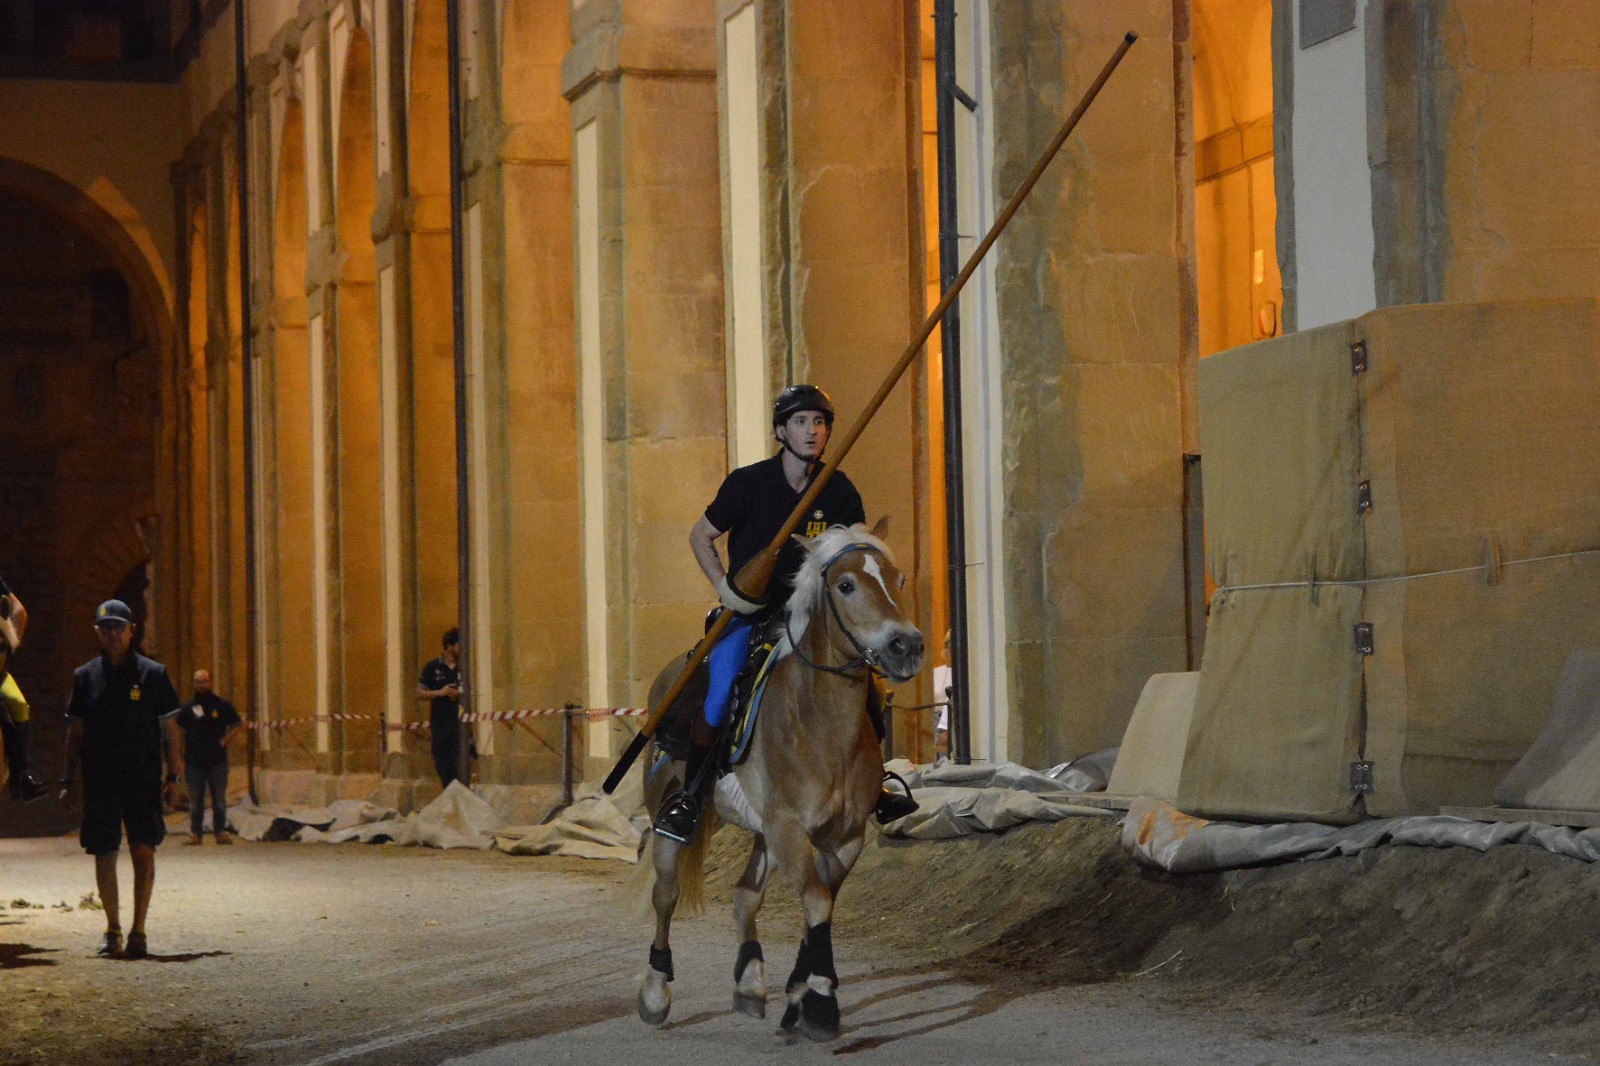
113,611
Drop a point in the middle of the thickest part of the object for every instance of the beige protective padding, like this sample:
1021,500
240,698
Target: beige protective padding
1476,427
1279,432
1277,716
1150,760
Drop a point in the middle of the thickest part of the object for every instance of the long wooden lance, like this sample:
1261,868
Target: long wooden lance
752,578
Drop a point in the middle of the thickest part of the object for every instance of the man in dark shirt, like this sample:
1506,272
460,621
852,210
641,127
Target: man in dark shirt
207,723
751,507
440,685
114,732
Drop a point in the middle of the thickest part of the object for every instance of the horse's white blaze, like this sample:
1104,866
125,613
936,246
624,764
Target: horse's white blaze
870,565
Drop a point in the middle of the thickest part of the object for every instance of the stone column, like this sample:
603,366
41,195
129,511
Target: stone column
642,83
1483,123
1089,280
843,186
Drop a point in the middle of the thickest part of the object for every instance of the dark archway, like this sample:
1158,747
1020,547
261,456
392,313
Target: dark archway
85,343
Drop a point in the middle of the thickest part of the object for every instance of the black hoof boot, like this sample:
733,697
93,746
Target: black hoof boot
892,804
678,817
819,1016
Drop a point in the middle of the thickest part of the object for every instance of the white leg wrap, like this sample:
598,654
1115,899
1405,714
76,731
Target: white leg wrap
820,985
753,982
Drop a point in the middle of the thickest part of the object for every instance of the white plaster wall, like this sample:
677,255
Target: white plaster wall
1333,240
982,416
748,388
591,438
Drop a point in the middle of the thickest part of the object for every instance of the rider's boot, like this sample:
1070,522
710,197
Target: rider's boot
680,814
891,804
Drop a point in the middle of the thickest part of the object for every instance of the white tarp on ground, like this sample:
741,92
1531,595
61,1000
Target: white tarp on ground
1160,835
457,818
958,801
594,826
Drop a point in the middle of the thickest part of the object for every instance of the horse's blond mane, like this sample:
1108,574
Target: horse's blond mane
808,582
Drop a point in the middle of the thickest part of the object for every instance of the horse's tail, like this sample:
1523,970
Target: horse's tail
692,864
691,869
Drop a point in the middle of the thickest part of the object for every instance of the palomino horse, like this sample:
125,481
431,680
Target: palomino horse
811,778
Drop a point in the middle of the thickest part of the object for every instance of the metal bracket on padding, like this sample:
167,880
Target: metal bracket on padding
1361,778
1364,497
1358,357
1364,643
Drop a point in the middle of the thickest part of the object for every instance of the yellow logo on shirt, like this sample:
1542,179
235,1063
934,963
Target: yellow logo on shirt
817,524
133,693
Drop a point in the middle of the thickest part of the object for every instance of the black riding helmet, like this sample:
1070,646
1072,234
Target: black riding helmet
801,398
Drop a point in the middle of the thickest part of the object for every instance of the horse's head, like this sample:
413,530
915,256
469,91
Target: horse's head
850,585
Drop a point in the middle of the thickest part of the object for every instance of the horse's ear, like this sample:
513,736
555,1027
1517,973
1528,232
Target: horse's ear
881,530
806,543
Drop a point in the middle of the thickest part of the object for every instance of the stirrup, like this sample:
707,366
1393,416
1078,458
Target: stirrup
678,818
894,805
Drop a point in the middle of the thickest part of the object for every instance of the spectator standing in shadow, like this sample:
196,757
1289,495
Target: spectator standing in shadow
440,685
207,722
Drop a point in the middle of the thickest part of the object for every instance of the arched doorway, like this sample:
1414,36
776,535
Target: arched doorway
85,340
357,532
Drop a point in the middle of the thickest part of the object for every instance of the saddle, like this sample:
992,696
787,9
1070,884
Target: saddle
672,738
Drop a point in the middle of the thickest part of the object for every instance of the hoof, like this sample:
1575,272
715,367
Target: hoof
819,1017
655,998
754,1006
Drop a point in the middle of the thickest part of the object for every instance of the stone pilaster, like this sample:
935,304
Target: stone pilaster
651,382
1089,282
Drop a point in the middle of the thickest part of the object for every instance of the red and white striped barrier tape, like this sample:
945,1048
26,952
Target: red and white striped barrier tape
591,713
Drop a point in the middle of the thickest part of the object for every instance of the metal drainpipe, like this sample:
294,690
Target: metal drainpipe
458,313
247,378
944,66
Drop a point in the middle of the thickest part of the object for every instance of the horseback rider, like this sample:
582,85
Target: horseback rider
751,507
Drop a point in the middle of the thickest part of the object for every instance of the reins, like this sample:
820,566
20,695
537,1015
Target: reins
865,656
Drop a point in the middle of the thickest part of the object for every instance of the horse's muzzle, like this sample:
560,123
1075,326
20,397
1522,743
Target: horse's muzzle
901,656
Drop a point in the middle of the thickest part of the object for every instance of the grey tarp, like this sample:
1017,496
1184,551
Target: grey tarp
594,826
1471,431
1159,835
959,801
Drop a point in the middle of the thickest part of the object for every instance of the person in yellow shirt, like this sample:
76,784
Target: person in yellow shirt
15,720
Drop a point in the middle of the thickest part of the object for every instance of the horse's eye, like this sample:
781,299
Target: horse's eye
846,587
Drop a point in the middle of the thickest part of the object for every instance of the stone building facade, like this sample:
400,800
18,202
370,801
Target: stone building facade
674,207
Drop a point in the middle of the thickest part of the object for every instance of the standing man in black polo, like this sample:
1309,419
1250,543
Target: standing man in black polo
115,733
207,723
440,684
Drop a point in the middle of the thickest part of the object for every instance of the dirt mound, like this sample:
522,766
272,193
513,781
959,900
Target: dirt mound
1436,940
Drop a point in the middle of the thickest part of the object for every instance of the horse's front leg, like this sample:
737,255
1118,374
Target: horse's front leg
813,1005
749,971
655,991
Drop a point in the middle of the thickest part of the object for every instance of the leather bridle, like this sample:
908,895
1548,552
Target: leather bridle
865,656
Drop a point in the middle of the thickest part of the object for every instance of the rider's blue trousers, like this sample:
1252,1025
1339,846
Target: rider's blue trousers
722,666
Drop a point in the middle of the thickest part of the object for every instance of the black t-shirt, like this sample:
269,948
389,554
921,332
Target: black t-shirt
442,710
751,507
204,720
121,710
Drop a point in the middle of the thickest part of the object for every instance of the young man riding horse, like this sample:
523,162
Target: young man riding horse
750,507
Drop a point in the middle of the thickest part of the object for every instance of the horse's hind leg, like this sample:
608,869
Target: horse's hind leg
655,991
749,971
